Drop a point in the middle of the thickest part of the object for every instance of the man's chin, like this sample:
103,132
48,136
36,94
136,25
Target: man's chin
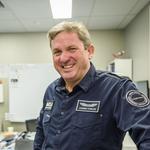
69,79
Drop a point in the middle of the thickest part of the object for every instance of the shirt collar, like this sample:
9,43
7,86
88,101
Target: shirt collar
88,79
84,84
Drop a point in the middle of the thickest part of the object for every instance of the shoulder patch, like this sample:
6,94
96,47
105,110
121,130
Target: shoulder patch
137,99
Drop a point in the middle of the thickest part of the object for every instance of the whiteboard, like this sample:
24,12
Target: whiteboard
27,85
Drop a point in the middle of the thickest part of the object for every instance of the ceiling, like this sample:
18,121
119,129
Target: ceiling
36,16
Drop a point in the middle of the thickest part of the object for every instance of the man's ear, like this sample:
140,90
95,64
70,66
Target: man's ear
91,51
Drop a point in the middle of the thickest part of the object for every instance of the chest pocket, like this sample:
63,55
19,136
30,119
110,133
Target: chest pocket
88,128
47,112
46,119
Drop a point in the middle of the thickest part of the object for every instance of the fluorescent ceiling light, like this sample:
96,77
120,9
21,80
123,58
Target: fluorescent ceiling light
61,8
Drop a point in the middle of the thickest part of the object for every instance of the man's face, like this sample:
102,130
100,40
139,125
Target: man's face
70,58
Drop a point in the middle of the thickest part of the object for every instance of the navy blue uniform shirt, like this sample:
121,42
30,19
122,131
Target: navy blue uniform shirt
94,116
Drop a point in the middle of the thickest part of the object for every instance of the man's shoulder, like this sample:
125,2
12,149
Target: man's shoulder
110,76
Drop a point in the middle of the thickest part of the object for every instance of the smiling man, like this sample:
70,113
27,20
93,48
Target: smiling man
87,109
70,58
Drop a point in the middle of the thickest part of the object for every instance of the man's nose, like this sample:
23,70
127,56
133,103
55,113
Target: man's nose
64,56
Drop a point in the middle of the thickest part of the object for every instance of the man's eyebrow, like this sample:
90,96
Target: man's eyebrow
56,49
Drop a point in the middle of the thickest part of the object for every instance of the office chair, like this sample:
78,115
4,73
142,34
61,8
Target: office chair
31,125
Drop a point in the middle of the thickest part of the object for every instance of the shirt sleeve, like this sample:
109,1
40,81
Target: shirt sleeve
39,136
132,113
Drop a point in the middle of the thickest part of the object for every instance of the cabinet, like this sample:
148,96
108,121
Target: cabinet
121,67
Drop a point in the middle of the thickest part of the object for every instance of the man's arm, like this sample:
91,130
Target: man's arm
39,136
132,113
140,132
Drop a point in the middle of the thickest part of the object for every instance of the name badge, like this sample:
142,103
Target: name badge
49,105
88,106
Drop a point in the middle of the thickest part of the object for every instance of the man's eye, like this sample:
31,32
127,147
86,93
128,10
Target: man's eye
56,53
72,49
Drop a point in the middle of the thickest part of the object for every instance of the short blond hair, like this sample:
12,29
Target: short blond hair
76,27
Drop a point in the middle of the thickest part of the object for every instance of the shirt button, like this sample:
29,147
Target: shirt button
67,96
101,115
58,131
62,113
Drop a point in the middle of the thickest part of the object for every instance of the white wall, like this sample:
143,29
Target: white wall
24,48
34,47
106,43
137,45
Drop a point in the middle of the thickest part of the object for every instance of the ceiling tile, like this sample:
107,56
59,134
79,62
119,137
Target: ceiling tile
35,25
11,26
82,8
138,6
36,16
113,7
126,21
30,8
104,23
4,14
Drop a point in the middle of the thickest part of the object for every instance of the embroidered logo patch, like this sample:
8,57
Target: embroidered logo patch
88,106
137,98
49,105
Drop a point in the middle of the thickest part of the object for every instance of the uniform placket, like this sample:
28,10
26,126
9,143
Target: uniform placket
61,121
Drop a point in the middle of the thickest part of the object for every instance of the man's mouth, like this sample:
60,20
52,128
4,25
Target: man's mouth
67,66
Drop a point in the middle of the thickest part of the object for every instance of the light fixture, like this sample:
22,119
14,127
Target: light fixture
61,8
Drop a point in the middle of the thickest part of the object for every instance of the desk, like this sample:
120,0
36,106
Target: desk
7,140
17,142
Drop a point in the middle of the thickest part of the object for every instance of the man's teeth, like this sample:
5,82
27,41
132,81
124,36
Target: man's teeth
68,66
